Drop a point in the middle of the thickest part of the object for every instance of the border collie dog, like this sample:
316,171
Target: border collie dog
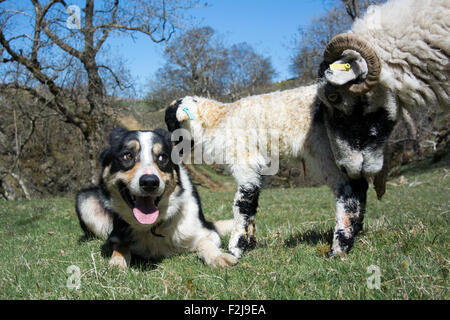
146,205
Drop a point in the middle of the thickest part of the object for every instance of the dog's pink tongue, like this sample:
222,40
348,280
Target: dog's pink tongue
145,210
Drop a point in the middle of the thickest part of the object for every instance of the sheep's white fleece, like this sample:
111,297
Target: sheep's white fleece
412,39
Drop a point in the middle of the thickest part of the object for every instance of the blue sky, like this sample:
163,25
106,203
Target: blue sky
268,25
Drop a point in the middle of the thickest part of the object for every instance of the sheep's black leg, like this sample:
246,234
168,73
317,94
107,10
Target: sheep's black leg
350,208
244,209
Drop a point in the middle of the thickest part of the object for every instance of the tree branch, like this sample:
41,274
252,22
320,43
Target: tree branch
116,78
106,30
42,23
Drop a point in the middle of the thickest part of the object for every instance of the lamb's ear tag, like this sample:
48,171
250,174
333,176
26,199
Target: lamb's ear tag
340,67
191,117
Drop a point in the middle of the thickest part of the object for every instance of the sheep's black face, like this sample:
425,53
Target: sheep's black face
357,126
358,122
358,138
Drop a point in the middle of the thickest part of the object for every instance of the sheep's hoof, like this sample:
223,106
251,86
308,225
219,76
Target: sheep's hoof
332,254
244,242
337,253
224,260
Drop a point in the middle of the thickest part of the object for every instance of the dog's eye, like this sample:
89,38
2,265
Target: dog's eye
333,97
127,156
162,158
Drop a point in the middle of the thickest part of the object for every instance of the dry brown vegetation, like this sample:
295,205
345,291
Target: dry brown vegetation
59,98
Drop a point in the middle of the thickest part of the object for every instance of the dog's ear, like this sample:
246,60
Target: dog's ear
114,137
116,134
164,133
106,157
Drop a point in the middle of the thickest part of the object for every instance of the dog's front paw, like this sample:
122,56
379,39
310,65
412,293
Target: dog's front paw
224,260
118,261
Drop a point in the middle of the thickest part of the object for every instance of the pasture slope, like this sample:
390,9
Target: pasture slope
405,237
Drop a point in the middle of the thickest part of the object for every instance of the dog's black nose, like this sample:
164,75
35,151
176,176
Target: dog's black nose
149,182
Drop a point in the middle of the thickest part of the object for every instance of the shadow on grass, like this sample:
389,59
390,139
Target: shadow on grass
29,221
106,252
85,238
310,237
136,261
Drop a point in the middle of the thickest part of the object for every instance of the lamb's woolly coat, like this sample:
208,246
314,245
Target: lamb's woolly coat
294,119
288,115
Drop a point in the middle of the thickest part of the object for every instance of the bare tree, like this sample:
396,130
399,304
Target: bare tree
354,8
310,42
248,70
198,63
55,52
16,130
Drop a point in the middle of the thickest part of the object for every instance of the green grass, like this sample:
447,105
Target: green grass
406,236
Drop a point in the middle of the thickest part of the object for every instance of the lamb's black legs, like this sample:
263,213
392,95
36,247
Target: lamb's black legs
350,207
244,210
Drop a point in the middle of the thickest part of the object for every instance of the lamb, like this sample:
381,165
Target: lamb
337,127
293,120
399,57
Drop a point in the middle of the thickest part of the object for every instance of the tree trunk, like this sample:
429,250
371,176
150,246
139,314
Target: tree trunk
90,141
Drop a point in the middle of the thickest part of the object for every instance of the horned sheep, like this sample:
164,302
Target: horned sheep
399,57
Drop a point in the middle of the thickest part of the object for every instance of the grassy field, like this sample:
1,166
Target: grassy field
406,236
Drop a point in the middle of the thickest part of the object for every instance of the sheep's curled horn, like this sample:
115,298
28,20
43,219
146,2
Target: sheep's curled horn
349,41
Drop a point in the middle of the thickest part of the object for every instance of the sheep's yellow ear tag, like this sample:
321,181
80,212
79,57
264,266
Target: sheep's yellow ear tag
340,67
191,117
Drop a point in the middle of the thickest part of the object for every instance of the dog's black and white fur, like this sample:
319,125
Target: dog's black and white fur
146,205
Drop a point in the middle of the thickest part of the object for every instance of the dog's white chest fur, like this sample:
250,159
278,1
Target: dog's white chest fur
179,232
